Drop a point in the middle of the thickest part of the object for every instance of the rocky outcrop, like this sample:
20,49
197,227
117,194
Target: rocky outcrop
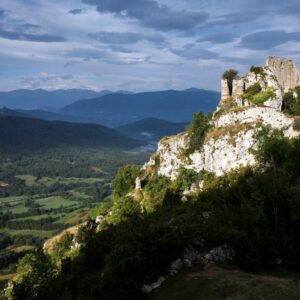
227,146
229,143
279,74
191,257
285,70
261,115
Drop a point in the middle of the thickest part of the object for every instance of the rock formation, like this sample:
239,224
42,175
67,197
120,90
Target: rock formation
285,71
229,143
279,74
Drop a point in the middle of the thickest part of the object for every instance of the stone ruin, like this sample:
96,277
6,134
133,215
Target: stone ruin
280,73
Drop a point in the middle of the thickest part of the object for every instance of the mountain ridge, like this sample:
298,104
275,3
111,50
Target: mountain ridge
32,99
32,134
119,109
151,129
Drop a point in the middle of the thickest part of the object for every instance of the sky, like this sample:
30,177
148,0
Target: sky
140,45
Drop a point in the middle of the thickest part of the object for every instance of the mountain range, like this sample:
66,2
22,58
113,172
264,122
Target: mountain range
39,98
107,108
118,109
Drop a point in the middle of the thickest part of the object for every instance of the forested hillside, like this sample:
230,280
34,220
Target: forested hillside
17,133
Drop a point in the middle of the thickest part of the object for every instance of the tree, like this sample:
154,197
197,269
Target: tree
230,75
197,129
124,181
35,273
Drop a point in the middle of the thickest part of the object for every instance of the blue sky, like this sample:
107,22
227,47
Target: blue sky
140,45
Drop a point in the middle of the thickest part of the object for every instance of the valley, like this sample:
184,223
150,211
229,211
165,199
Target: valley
44,192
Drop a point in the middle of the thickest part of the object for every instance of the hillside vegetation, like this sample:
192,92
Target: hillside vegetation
33,134
256,212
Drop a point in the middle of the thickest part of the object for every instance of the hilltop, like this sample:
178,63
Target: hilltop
256,100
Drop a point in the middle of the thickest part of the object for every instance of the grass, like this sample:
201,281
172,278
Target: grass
36,233
5,277
11,199
228,131
55,202
218,284
21,248
262,97
30,180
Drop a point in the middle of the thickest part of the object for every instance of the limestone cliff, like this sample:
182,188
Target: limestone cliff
229,143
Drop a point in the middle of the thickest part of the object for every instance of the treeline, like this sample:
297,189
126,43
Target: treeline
19,240
40,224
5,217
9,256
67,162
17,187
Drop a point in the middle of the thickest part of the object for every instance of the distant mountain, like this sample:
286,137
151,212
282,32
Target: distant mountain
40,114
33,99
151,129
32,134
119,109
6,112
52,116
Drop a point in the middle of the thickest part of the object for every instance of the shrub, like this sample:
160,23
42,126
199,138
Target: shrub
185,178
197,130
262,97
272,146
155,185
251,91
257,70
291,102
124,181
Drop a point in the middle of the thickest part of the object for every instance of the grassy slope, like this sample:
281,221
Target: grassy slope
218,284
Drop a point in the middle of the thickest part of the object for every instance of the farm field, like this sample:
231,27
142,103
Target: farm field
41,194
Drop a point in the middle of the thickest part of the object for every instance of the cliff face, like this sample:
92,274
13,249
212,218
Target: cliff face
229,143
286,72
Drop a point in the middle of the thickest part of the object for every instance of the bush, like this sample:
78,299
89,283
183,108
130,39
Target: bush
197,130
155,185
257,70
251,91
262,97
124,181
185,178
291,104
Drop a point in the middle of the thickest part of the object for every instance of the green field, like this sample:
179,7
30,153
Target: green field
30,180
43,192
35,233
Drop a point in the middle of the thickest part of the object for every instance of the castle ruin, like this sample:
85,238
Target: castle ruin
284,71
